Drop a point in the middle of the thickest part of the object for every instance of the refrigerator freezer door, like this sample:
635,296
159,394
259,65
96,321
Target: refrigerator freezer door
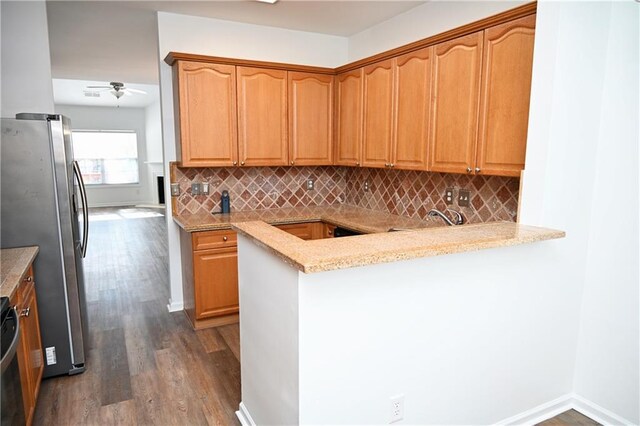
36,184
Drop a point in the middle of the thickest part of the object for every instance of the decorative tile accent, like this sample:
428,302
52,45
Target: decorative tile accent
413,193
255,188
401,192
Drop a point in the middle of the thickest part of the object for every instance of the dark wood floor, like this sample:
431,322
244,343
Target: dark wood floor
570,418
145,365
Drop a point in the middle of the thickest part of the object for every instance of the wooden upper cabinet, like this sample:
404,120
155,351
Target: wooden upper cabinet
348,118
412,104
310,119
508,60
206,94
454,111
378,114
262,117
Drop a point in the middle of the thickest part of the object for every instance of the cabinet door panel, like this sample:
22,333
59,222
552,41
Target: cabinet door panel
207,114
262,117
310,119
454,111
32,333
378,114
412,105
216,282
349,118
508,60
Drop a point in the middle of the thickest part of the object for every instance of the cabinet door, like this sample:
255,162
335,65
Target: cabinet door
454,111
262,117
207,114
215,276
310,119
412,105
508,59
349,118
378,114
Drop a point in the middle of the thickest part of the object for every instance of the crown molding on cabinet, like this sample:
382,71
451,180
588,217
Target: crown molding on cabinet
508,15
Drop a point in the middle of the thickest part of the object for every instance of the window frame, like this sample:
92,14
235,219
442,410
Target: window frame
113,185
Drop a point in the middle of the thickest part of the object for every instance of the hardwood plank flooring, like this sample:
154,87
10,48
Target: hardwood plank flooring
145,365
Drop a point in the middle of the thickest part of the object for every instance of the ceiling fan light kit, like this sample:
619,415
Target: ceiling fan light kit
116,88
267,1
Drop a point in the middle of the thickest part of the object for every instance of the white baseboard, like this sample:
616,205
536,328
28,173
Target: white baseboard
597,413
175,306
541,412
560,405
244,417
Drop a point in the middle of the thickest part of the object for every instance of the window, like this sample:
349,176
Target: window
107,157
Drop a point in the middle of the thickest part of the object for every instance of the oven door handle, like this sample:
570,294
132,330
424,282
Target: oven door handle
8,356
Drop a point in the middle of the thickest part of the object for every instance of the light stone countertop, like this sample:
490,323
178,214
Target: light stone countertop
348,252
14,264
356,218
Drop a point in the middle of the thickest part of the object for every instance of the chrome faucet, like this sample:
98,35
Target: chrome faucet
459,219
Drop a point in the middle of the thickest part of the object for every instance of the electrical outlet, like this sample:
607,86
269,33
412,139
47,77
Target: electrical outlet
463,198
397,408
310,184
448,196
366,186
204,188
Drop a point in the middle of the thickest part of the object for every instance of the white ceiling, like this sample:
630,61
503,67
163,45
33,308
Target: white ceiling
71,92
117,40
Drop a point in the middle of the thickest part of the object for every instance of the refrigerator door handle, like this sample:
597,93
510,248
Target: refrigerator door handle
85,213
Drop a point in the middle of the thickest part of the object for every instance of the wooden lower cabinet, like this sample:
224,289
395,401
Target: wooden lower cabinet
210,271
305,231
30,357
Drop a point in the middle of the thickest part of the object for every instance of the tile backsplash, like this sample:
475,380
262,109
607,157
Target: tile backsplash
413,193
254,188
401,192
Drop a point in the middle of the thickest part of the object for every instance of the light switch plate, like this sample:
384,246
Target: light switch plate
464,198
204,188
175,189
195,189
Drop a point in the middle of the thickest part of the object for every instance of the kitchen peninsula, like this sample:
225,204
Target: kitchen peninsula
390,320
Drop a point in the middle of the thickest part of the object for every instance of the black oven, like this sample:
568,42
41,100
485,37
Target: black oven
12,412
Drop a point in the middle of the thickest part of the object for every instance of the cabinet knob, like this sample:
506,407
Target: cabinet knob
235,163
330,232
28,279
242,163
25,312
224,238
357,164
391,165
477,169
468,169
292,162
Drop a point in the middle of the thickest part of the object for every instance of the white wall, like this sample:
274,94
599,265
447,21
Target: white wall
581,169
607,363
215,37
154,161
110,118
465,345
25,70
431,18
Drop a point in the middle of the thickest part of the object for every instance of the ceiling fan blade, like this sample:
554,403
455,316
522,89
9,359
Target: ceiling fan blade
127,92
141,92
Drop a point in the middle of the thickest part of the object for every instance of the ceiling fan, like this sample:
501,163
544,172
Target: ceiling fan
117,89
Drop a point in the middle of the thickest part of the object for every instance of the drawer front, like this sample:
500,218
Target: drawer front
214,239
300,230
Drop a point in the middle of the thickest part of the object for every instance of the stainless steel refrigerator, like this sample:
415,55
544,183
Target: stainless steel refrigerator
44,203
